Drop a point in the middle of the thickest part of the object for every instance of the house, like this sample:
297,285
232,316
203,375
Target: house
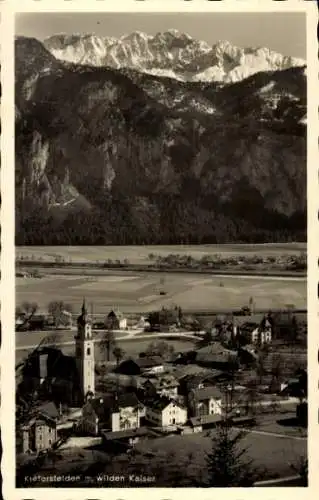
142,324
48,409
215,355
257,330
111,413
127,437
39,434
263,333
34,322
115,321
53,374
161,385
141,365
164,412
205,401
201,380
204,422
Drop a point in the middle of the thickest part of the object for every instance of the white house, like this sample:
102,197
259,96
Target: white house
164,412
205,401
162,385
111,414
262,334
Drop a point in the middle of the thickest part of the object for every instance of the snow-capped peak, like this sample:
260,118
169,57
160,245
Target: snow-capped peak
169,53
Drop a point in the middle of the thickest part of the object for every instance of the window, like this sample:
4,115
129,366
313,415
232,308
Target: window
50,442
88,351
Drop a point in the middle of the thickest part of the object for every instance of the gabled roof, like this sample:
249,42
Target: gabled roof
161,403
163,381
193,380
111,403
215,352
126,433
205,419
207,393
115,315
48,409
149,362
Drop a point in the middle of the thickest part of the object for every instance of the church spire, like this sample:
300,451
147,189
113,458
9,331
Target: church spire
84,312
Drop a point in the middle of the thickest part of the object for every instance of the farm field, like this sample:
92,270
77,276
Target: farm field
140,292
139,254
270,453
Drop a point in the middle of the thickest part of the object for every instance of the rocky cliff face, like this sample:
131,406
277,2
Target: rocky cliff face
171,54
117,156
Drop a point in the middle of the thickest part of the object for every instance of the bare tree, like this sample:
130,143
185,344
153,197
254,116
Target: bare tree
159,348
118,354
58,309
277,368
107,343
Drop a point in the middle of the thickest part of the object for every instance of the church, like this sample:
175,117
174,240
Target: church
84,354
57,377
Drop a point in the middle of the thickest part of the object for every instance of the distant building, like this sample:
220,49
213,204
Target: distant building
257,330
205,401
111,413
115,321
204,422
161,385
141,365
164,412
127,437
199,381
39,434
215,355
142,324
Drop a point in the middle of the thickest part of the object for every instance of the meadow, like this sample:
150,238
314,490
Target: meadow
271,454
140,254
141,292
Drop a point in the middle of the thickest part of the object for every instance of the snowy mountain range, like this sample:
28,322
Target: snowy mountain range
117,156
170,54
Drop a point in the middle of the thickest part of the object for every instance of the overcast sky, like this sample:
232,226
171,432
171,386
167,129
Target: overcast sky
282,32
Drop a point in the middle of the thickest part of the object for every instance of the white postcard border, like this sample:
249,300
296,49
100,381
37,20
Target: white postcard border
8,251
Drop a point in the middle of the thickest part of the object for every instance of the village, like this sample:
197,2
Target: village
248,370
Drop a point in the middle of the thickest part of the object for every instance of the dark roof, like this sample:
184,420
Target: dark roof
126,434
48,409
57,364
163,380
192,381
44,421
214,356
109,403
215,348
205,419
253,318
207,392
149,362
161,403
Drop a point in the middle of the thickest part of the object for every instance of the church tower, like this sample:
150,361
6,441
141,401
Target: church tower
84,353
